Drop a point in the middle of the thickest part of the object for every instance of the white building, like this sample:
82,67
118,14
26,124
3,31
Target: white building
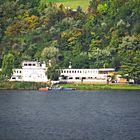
85,75
31,71
34,71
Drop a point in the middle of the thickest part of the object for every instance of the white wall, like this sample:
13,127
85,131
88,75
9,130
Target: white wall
36,75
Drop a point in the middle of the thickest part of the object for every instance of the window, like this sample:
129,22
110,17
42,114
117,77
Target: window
77,78
64,77
33,64
70,77
13,78
83,77
25,64
30,64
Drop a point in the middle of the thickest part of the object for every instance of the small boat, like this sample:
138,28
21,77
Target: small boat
69,89
56,88
44,88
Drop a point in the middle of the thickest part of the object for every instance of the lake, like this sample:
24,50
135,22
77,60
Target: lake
70,115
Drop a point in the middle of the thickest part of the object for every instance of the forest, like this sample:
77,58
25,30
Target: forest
106,35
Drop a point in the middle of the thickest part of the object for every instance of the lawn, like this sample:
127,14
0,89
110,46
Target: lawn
71,3
102,86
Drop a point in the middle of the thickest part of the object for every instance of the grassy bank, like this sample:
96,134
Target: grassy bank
20,85
102,86
34,85
71,3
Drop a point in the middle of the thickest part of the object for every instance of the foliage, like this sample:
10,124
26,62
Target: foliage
106,35
131,62
20,85
53,73
7,65
50,53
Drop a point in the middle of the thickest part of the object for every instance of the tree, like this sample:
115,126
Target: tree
32,3
53,73
107,35
129,51
102,8
8,65
50,53
80,61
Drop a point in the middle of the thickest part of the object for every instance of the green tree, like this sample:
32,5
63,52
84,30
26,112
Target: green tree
53,73
8,65
81,61
129,51
50,53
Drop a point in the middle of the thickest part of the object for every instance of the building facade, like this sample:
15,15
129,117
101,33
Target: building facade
86,75
31,71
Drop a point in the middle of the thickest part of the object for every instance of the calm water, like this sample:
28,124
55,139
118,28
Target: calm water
71,115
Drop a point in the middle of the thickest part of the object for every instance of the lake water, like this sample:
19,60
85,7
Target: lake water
70,115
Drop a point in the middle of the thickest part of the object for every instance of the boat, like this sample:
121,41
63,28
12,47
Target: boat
44,88
69,89
56,88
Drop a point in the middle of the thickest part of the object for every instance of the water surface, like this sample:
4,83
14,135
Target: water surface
70,115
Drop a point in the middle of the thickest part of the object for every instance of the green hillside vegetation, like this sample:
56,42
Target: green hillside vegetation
71,3
106,35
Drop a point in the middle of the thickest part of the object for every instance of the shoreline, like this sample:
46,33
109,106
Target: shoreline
103,86
7,85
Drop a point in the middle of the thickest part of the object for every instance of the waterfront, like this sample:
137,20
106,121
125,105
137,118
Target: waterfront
33,85
71,115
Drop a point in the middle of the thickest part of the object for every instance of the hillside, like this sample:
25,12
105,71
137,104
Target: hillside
71,3
107,35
